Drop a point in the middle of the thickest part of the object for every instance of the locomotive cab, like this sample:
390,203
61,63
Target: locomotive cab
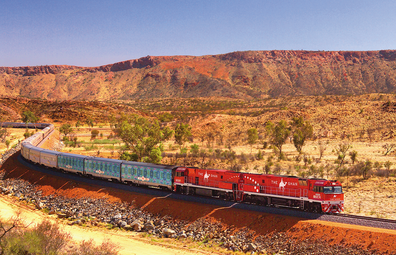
330,195
180,175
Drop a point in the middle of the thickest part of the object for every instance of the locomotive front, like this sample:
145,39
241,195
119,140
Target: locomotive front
331,195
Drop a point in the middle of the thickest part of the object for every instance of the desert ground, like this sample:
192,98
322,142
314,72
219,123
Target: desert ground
366,123
129,243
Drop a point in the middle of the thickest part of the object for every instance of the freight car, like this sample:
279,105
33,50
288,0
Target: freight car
317,195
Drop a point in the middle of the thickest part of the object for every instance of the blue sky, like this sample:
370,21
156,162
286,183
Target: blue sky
93,33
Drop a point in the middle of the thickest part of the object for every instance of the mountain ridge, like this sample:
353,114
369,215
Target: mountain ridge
241,74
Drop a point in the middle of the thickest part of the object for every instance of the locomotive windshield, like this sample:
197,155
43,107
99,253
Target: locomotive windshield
332,189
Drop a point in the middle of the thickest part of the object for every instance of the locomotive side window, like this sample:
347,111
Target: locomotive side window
318,189
302,182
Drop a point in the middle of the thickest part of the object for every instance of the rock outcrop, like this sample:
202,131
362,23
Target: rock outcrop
249,74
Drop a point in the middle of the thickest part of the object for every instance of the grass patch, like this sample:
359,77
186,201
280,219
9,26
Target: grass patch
90,148
103,141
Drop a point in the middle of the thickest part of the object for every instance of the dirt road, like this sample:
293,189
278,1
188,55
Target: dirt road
129,242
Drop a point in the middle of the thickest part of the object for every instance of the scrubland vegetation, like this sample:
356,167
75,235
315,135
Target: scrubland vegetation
17,237
349,138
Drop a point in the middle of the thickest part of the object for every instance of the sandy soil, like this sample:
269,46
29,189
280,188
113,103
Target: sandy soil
129,242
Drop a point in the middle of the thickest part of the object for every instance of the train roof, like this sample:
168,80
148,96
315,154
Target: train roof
117,161
134,163
64,154
50,152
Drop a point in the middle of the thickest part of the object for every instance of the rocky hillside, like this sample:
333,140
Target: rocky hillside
251,74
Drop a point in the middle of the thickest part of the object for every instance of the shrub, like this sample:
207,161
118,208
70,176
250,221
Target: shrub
88,248
259,155
183,150
94,133
45,238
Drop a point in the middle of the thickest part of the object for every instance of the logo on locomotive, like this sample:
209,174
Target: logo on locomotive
282,184
206,176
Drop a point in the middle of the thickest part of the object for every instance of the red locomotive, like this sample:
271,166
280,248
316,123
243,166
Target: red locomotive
317,195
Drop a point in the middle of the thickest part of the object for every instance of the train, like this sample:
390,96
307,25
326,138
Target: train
308,194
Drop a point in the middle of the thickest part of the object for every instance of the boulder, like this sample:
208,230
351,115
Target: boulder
61,215
149,226
251,247
122,224
136,225
167,232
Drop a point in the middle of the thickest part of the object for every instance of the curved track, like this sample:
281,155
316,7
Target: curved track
340,218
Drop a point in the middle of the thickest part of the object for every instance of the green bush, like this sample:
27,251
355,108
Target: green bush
47,238
89,148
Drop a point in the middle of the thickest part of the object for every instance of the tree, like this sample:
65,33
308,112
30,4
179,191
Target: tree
194,149
388,166
3,134
94,133
252,137
268,165
66,129
322,148
141,135
165,117
29,117
278,134
368,165
155,156
89,122
210,137
5,229
182,133
389,148
341,151
302,130
7,142
353,155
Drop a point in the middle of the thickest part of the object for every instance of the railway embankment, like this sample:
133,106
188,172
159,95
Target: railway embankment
77,203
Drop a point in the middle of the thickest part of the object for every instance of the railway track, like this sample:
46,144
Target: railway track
352,216
45,138
360,220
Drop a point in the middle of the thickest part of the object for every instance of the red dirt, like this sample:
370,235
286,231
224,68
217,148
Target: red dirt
382,241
